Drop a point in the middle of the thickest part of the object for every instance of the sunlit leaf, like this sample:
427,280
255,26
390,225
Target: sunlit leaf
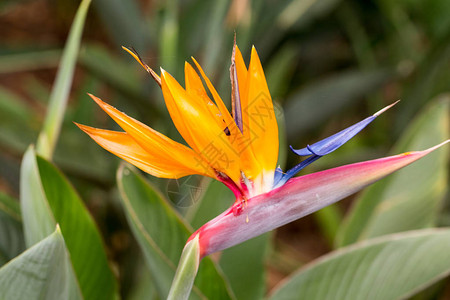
162,234
41,272
38,220
47,198
390,267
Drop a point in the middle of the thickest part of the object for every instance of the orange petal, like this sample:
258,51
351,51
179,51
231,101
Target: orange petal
222,108
238,76
200,129
194,87
260,124
154,142
125,147
241,71
239,141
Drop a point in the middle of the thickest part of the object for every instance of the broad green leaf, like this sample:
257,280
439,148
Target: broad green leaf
61,88
390,267
47,198
322,99
162,234
38,220
12,242
410,198
41,272
80,232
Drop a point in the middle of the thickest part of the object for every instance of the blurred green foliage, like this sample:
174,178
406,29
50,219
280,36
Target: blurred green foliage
328,63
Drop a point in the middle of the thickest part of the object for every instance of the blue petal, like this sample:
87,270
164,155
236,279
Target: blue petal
278,175
280,180
333,142
324,147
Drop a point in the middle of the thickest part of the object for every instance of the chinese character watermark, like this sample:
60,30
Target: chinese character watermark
186,191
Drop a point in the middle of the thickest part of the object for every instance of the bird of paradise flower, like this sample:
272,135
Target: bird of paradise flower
240,150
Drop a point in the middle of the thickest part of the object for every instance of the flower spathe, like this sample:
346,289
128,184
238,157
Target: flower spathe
297,198
239,149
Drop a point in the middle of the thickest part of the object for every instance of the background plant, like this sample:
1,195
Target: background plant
328,63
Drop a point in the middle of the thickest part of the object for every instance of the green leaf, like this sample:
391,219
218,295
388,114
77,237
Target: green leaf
41,272
38,220
410,198
48,198
391,267
12,241
61,88
162,234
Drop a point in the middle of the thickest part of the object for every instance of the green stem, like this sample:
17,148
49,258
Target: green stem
61,88
186,271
